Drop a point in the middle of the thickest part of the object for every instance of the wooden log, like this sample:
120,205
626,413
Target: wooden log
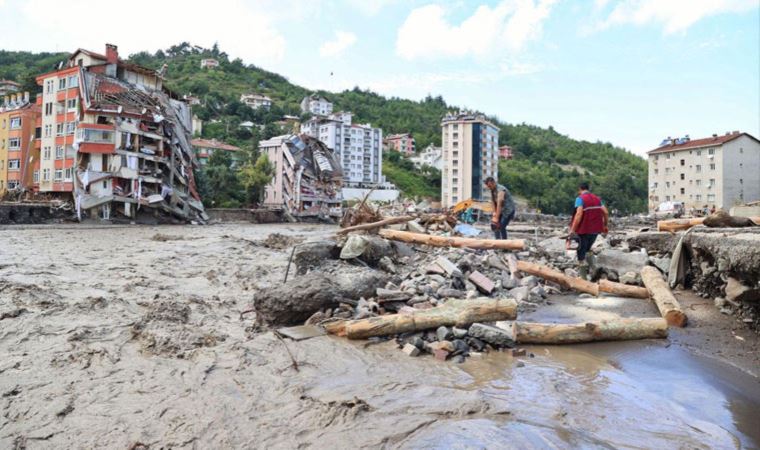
460,313
378,224
560,278
663,297
442,241
674,225
605,330
623,290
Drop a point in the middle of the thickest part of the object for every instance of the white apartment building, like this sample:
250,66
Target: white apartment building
431,156
316,105
470,150
256,101
719,170
358,147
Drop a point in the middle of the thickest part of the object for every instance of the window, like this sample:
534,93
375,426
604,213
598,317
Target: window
741,180
656,171
699,197
12,184
699,182
683,176
46,153
59,129
710,197
71,127
59,152
667,184
683,191
667,156
683,162
73,81
71,103
58,175
49,86
711,151
14,143
46,175
48,131
36,176
62,84
15,122
712,166
14,164
712,182
699,168
667,198
67,174
49,108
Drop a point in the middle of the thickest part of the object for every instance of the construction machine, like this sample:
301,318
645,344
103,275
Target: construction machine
469,205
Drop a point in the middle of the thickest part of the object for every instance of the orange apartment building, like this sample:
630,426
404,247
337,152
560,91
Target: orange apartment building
18,120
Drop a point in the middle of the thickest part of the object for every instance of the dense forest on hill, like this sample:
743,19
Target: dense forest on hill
546,168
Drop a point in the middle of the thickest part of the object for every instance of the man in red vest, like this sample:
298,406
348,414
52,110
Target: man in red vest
590,219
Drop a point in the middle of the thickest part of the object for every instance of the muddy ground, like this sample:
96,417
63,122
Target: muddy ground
131,337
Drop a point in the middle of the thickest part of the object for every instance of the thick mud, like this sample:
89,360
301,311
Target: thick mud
115,339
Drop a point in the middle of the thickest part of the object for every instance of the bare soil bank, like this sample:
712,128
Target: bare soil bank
131,337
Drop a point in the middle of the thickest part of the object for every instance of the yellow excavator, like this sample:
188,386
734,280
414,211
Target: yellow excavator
469,205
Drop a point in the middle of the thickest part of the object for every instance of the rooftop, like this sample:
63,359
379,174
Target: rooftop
213,143
677,144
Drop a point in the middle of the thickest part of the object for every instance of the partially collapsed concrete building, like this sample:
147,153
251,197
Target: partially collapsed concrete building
308,176
122,140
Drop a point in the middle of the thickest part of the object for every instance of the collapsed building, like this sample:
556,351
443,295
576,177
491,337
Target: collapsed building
122,140
307,177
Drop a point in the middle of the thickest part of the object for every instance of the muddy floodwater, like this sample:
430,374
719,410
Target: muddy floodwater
132,338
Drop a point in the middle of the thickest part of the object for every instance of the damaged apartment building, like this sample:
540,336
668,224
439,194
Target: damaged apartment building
307,177
116,140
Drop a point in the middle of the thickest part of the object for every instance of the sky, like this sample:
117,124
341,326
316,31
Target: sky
629,72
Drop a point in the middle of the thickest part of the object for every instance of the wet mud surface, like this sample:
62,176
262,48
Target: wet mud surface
114,339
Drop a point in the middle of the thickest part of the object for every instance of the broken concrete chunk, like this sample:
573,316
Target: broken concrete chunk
618,261
630,278
411,350
481,282
494,261
415,227
310,255
441,354
388,295
661,263
529,281
443,333
448,267
459,333
435,269
492,335
736,291
387,265
520,294
450,293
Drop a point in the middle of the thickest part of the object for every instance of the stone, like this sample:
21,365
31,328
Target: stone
553,246
520,364
570,272
630,278
472,294
310,255
444,333
403,250
661,263
619,261
450,293
720,302
417,342
475,343
435,269
493,335
437,279
738,292
459,333
520,294
529,281
538,291
441,354
460,347
422,305
411,350
494,261
585,295
723,265
388,295
449,267
415,227
518,352
481,282
387,265
507,280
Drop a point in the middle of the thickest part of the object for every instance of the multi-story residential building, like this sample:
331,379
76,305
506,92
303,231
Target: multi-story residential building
205,148
358,147
402,143
307,176
505,152
430,156
209,63
316,105
470,155
114,139
718,171
8,87
18,122
256,101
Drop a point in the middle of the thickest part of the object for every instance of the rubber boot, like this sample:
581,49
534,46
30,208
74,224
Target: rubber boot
583,270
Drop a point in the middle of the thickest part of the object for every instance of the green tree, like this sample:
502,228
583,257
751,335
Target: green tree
255,176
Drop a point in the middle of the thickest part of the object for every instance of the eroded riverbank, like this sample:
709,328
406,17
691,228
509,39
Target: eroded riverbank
120,338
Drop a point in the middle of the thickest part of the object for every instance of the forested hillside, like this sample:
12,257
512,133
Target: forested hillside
546,168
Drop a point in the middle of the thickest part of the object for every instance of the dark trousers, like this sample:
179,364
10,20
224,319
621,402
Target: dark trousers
585,241
501,231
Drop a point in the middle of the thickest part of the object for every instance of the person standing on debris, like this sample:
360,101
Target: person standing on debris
503,208
591,218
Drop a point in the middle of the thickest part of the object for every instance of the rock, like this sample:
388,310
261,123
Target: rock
723,265
495,262
538,292
387,265
422,305
472,293
441,354
437,279
720,302
449,267
459,333
738,292
661,263
443,333
520,364
403,250
585,295
571,272
612,260
450,293
415,227
529,281
481,282
310,255
518,352
460,347
445,345
520,294
630,278
388,295
507,281
492,335
553,246
418,342
475,343
411,350
435,269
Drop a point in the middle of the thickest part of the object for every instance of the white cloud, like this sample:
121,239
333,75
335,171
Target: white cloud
674,15
370,7
426,32
241,28
343,40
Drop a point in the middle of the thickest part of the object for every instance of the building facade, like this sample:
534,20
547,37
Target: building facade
429,156
317,105
8,87
256,101
209,63
402,143
18,123
470,155
505,152
205,148
719,171
357,147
